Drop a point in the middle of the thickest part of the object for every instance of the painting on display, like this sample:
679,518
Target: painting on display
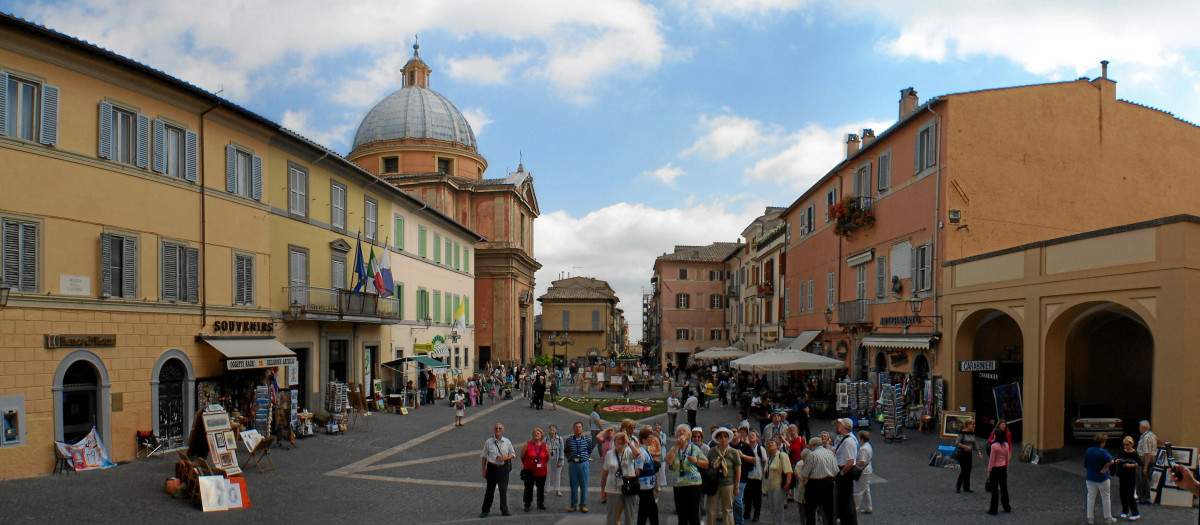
953,422
1008,402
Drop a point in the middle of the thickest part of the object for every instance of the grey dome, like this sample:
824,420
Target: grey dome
414,112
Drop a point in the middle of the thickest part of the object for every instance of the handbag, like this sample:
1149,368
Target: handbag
708,480
507,462
987,485
526,474
629,486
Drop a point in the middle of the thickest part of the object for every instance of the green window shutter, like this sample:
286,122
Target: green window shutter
106,284
437,248
105,146
399,291
467,308
399,233
437,306
466,260
49,114
421,242
457,256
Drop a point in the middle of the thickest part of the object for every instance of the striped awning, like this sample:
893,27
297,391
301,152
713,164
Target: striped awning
899,341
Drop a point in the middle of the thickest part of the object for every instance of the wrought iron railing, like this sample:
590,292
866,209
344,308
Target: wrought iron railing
854,312
339,302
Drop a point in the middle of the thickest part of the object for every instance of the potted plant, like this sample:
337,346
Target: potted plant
849,214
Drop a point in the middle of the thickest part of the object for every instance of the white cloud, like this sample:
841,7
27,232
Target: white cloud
619,243
728,134
666,174
478,118
332,138
810,154
486,70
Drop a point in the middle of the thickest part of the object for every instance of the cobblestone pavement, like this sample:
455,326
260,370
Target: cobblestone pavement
420,469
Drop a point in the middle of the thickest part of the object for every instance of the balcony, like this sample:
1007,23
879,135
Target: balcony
331,304
765,289
851,214
854,312
735,291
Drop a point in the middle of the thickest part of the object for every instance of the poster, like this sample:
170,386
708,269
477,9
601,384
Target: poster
1008,402
218,493
293,374
953,422
87,454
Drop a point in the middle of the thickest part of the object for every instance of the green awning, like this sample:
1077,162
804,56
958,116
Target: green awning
431,363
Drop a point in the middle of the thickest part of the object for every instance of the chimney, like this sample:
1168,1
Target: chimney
908,101
1104,69
868,136
851,145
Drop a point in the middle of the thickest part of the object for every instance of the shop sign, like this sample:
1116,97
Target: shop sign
423,348
80,340
243,326
977,366
259,362
770,336
900,320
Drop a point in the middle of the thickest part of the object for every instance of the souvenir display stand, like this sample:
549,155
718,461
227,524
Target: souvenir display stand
337,403
215,483
893,413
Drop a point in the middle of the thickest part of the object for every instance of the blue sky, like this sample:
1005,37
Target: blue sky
645,124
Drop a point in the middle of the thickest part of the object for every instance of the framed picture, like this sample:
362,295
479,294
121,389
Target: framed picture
218,421
1008,402
1161,459
220,436
1156,478
1185,456
953,422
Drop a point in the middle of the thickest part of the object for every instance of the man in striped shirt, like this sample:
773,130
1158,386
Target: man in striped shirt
577,451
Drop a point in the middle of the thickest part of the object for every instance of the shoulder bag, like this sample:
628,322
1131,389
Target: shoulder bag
855,472
508,462
708,480
629,486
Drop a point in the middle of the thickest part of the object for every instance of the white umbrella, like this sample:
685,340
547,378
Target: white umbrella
785,360
720,353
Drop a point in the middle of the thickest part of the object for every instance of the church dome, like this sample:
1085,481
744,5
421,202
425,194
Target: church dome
415,112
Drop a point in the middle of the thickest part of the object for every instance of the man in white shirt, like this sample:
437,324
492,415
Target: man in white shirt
846,451
1147,447
673,405
497,454
817,473
691,406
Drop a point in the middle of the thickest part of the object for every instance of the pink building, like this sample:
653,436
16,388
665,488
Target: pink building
691,290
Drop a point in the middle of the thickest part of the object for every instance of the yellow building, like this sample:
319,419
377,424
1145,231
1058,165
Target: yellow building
142,220
580,320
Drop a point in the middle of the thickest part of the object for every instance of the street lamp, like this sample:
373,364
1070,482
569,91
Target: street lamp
556,339
294,310
828,314
4,291
914,305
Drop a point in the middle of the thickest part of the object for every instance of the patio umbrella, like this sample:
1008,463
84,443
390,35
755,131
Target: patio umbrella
720,353
785,360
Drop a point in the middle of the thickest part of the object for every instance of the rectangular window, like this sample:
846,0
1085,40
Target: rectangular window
118,266
337,275
830,200
566,320
391,164
810,295
860,281
422,304
437,248
595,320
124,136
444,165
802,295
437,306
243,280
809,214
337,205
297,191
399,233
881,277
901,259
466,260
682,334
22,107
714,301
830,295
682,300
421,242
20,255
862,182
884,173
714,335
767,312
370,218
243,173
923,267
298,276
399,291
683,274
173,151
180,273
925,155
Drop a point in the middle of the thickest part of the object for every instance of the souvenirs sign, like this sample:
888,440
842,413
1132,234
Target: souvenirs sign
260,362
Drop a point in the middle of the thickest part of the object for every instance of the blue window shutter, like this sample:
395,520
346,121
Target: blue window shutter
49,115
256,174
193,143
160,148
106,151
129,268
105,263
3,103
230,169
143,141
193,275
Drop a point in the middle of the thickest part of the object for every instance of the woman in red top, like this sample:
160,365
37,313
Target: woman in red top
793,445
535,457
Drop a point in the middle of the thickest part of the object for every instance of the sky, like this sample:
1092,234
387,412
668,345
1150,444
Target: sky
645,124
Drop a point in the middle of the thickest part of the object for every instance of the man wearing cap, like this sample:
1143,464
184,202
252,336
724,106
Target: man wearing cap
726,463
846,450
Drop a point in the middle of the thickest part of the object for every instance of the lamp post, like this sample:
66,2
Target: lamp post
4,291
555,339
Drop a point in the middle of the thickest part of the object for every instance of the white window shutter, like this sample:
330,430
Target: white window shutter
3,103
193,275
192,171
106,284
170,273
230,169
143,141
256,178
931,146
160,146
129,268
49,115
105,146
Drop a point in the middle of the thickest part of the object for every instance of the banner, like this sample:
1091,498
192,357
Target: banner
87,454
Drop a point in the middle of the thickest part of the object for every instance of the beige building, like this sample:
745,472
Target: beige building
580,320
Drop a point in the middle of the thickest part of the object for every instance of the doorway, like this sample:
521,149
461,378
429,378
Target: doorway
171,379
337,360
80,390
302,376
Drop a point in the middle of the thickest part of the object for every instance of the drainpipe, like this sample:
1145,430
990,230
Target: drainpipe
937,216
203,218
